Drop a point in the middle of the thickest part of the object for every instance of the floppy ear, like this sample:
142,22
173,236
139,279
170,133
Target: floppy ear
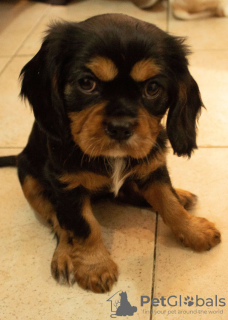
40,87
182,116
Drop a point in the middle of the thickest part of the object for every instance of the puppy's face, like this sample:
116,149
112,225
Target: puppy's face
110,79
121,106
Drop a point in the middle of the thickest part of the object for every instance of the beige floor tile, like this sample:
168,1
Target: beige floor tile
180,271
27,288
210,69
16,117
80,10
84,9
18,19
202,34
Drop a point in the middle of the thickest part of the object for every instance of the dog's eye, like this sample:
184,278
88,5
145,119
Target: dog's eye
151,90
87,84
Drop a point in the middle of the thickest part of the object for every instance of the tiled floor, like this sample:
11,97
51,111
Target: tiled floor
151,262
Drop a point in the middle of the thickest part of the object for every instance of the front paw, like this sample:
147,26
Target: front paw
96,273
199,234
92,269
62,268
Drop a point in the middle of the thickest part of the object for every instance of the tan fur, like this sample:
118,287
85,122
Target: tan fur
194,232
88,180
144,70
87,128
94,267
145,136
187,199
120,172
87,261
131,194
103,68
33,192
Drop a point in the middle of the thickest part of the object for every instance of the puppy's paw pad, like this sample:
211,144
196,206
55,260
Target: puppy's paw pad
62,268
98,277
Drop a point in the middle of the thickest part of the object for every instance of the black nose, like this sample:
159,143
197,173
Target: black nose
119,129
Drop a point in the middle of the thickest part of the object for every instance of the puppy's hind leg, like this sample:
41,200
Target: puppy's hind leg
34,192
62,266
187,199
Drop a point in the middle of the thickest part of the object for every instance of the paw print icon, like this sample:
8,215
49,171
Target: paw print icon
188,301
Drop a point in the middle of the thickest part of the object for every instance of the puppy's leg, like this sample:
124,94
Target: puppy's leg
130,194
197,233
36,196
80,254
62,266
94,268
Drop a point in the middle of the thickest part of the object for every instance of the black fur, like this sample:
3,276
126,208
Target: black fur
160,175
8,161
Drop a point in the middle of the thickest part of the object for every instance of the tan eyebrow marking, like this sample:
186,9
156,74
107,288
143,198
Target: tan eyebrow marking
103,68
144,70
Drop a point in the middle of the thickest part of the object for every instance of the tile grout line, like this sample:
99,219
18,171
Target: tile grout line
154,265
25,39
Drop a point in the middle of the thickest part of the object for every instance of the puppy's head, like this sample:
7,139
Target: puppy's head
108,81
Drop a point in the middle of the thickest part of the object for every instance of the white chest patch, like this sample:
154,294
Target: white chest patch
118,176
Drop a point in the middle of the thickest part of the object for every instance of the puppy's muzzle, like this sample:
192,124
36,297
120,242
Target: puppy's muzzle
119,129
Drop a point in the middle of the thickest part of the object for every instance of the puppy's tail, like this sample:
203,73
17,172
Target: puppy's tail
8,161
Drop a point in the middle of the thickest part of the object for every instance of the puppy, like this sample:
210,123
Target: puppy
99,90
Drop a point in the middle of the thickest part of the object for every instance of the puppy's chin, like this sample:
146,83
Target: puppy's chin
115,153
136,147
115,150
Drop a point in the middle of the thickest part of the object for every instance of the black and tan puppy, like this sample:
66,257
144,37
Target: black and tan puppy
99,90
